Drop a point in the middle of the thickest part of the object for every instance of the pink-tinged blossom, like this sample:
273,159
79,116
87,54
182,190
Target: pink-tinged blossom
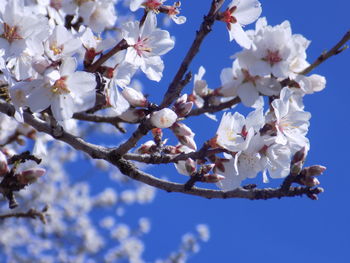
276,51
238,14
62,43
147,43
237,81
64,90
18,26
291,124
235,131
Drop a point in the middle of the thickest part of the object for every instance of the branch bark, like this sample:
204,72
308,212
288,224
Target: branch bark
176,85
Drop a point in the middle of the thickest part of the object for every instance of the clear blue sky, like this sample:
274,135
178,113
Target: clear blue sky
286,230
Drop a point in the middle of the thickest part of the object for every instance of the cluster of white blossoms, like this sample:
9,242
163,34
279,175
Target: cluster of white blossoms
266,140
70,64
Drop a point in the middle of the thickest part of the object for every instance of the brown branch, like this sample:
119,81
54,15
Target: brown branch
31,213
176,86
131,171
22,157
338,48
141,131
114,120
120,46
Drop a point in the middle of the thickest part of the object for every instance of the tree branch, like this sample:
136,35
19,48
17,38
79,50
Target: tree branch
214,108
176,85
120,46
31,213
95,151
128,169
338,48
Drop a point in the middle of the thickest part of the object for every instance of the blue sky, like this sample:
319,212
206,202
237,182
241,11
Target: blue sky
286,230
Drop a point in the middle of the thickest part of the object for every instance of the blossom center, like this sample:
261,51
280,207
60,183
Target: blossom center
272,57
141,46
80,2
10,33
249,78
56,49
60,86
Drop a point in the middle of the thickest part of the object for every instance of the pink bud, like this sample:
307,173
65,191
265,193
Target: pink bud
164,118
31,175
190,166
134,97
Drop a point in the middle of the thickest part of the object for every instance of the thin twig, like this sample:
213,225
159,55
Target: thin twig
214,108
175,86
31,213
131,171
120,46
338,48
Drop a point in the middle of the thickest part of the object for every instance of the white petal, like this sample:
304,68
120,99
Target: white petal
237,33
247,11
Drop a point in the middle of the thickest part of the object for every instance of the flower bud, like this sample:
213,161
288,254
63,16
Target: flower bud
164,118
30,176
212,178
207,168
181,129
182,107
157,134
3,164
134,97
146,147
132,115
201,88
313,170
190,165
296,168
188,141
299,156
309,181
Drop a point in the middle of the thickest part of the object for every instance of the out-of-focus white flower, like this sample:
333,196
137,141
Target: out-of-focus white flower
98,15
18,26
